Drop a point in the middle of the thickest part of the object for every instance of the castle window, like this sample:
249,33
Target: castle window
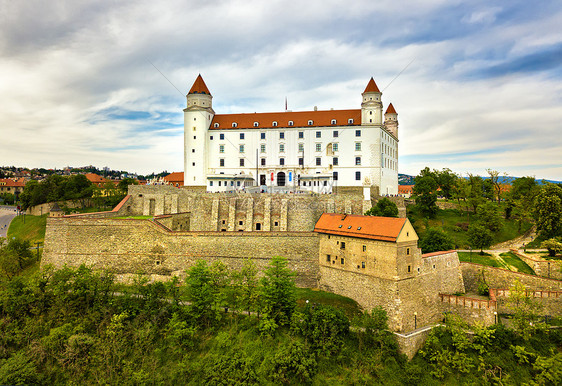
194,128
350,121
281,147
318,161
342,260
223,221
240,222
220,184
407,234
349,227
281,161
418,269
342,245
282,135
301,161
263,162
262,148
318,147
433,266
357,146
262,135
318,134
335,134
340,227
301,134
274,123
241,135
241,148
241,161
221,148
258,226
407,251
221,163
211,137
216,125
193,164
234,124
364,248
357,133
256,124
358,228
409,269
221,136
291,123
362,264
193,150
357,160
334,147
210,183
357,176
333,121
310,122
194,119
301,146
328,258
335,161
276,223
335,176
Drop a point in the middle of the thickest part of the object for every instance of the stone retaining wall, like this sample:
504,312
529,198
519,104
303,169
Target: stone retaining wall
470,309
546,268
551,301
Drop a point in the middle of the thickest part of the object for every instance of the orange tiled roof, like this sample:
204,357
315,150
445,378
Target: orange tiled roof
365,227
11,183
299,119
199,87
174,177
94,178
405,188
438,253
371,86
390,110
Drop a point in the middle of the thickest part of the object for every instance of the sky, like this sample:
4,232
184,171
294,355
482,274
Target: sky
477,84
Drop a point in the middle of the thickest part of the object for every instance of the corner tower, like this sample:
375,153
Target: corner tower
391,120
371,106
197,118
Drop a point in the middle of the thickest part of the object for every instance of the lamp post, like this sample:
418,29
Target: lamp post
495,317
415,320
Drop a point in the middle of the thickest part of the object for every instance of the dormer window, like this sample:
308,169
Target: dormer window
349,227
291,123
256,124
333,121
274,123
350,120
234,124
340,226
310,122
216,125
358,228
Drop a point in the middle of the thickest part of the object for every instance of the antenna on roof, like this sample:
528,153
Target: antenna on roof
400,73
165,77
285,103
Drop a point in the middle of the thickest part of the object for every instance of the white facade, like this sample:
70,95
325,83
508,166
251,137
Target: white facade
320,151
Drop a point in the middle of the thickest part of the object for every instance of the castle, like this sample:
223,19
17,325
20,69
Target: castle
320,151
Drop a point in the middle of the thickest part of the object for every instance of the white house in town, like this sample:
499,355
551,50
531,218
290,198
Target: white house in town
322,151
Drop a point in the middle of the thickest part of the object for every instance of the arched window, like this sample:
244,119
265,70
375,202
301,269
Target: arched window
256,124
333,121
310,122
291,123
350,120
234,124
274,123
216,125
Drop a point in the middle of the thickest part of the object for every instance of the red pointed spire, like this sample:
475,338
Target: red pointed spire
199,87
371,86
390,110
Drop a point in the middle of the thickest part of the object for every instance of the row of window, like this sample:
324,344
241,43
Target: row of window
318,161
342,261
318,147
290,123
318,134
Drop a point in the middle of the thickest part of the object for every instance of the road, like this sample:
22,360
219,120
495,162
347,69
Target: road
7,213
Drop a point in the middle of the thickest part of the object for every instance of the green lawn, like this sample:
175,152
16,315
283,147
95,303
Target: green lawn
31,228
513,260
134,217
476,257
455,223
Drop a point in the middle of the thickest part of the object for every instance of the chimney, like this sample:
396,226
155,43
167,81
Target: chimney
343,216
315,108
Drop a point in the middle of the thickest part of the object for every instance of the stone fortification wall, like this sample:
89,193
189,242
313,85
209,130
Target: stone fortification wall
401,298
551,301
129,246
503,278
470,309
42,209
546,268
410,343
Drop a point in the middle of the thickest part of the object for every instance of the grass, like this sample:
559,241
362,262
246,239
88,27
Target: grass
476,257
513,260
31,228
452,222
349,306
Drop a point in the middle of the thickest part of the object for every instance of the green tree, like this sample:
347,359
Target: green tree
278,292
123,185
479,237
489,216
446,180
323,327
384,208
553,245
475,191
15,256
548,210
425,192
200,293
526,310
434,239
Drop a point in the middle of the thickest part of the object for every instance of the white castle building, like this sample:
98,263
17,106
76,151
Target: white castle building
338,151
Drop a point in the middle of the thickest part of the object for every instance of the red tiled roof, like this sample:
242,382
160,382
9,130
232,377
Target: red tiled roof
199,87
95,178
405,188
174,177
11,183
371,86
437,253
365,227
390,110
299,119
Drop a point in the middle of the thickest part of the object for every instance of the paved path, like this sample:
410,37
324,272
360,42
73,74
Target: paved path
7,213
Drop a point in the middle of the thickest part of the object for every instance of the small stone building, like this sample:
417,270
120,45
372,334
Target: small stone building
56,211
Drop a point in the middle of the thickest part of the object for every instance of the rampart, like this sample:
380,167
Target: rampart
128,246
551,301
546,268
470,309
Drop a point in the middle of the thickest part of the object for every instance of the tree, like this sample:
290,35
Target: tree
525,309
278,292
434,239
475,189
479,237
383,208
123,185
548,210
495,182
425,192
553,245
14,257
489,216
200,293
446,180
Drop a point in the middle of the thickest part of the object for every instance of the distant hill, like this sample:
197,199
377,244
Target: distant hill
405,179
